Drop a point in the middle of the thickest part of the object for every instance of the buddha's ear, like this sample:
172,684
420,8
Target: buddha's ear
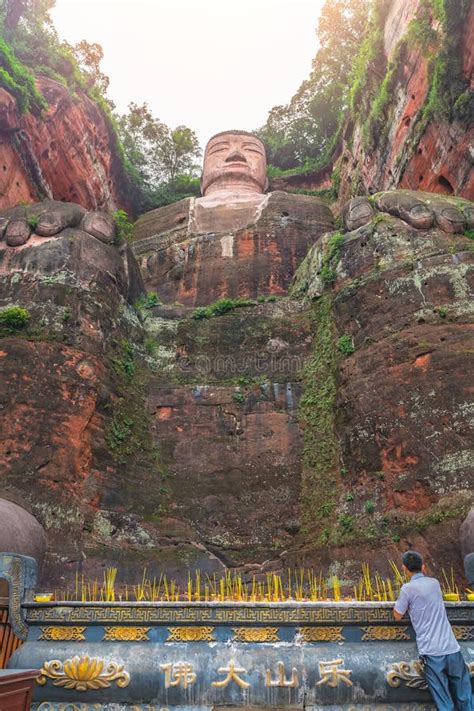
267,185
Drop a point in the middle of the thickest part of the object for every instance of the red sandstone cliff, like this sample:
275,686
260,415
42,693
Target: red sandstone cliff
406,149
436,157
69,153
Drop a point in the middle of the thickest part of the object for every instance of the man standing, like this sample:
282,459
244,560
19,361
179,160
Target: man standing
445,669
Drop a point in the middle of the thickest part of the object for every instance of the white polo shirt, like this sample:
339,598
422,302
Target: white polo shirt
423,600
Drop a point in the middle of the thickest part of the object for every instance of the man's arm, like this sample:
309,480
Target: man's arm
401,605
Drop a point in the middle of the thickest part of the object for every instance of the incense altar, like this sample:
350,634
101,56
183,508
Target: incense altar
142,655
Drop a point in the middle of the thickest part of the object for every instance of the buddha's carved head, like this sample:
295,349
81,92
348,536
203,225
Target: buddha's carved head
234,161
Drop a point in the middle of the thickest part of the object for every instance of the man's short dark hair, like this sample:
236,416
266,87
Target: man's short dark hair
413,561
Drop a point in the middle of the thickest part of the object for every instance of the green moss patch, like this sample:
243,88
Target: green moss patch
316,415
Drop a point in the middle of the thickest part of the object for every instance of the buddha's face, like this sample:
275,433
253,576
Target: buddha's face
234,162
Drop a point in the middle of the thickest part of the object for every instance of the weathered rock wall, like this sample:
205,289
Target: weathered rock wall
411,145
401,301
68,153
331,424
71,394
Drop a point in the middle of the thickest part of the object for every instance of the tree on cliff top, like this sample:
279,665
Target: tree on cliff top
159,163
166,159
304,130
30,12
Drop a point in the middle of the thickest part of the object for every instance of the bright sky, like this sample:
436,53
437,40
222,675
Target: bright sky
211,65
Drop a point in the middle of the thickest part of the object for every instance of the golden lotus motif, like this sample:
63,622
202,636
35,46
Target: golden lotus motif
83,673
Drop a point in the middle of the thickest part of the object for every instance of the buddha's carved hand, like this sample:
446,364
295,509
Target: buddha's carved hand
42,221
420,210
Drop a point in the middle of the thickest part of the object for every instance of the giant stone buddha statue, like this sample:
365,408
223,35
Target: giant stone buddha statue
235,240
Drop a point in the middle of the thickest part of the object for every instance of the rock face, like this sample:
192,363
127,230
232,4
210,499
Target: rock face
68,153
400,304
327,423
467,534
195,252
411,141
69,402
224,405
409,145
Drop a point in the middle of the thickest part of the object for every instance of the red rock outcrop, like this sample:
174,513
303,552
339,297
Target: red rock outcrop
408,151
402,298
68,153
176,440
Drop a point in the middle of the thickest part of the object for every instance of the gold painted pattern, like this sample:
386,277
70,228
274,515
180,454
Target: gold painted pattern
322,634
83,673
126,634
409,672
191,634
215,615
146,615
256,634
384,634
412,674
62,634
47,706
463,634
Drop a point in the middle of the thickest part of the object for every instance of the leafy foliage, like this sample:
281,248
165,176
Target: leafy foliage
345,345
123,226
316,413
304,132
331,258
164,158
14,318
220,307
89,56
16,78
159,163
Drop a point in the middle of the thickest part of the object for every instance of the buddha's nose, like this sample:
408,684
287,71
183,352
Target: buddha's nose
236,156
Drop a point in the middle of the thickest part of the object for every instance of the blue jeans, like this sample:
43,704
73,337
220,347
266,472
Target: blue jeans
449,682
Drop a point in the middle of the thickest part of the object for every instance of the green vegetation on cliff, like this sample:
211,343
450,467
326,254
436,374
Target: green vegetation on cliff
128,437
158,163
13,318
352,81
303,133
437,31
16,78
316,415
